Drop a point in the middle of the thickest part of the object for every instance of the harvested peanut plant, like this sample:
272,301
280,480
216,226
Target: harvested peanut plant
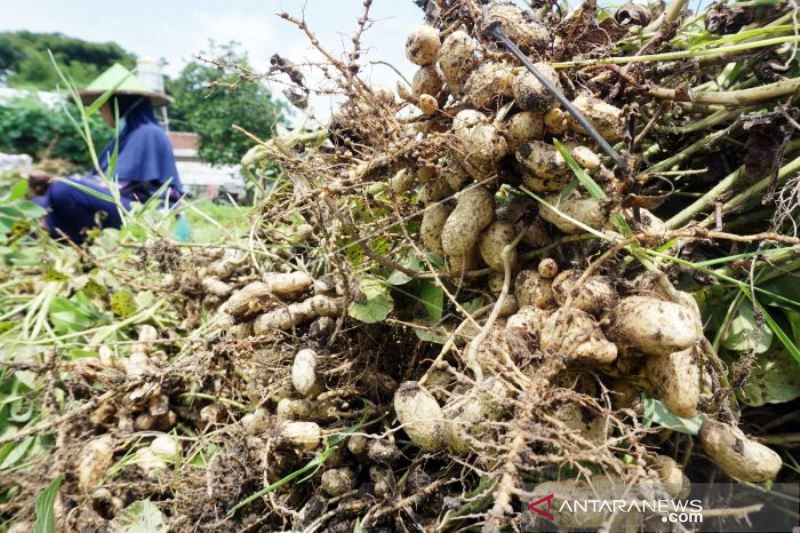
452,300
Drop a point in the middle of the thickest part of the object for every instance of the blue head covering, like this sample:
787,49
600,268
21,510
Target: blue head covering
145,160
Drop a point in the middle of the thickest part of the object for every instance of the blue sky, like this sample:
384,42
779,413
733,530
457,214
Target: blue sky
177,29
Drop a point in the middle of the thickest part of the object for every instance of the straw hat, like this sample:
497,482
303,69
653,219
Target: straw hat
121,81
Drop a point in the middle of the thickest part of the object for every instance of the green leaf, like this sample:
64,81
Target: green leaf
656,412
619,222
51,274
18,190
202,457
29,209
430,333
787,286
94,289
67,317
45,503
400,278
123,303
139,517
591,186
473,305
13,452
78,353
6,224
17,209
744,335
775,379
21,411
432,297
377,302
145,299
787,342
794,321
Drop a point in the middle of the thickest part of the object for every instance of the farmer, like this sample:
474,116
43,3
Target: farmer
145,161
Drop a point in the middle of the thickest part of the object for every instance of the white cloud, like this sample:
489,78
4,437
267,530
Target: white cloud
255,32
333,23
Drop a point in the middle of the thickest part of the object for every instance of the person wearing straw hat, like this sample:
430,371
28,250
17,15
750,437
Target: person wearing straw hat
145,162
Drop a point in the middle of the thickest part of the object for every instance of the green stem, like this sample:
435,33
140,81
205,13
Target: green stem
726,185
669,16
741,97
707,122
717,274
314,464
701,144
332,444
706,200
748,219
775,263
682,54
790,440
753,191
224,401
673,10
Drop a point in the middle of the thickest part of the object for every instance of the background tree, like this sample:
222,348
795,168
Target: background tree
208,100
24,62
28,126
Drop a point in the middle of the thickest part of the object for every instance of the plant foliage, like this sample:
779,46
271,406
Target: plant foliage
28,126
209,100
25,64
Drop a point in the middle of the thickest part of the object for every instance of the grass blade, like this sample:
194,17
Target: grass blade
787,342
597,233
591,186
103,98
331,445
45,512
88,190
586,180
681,54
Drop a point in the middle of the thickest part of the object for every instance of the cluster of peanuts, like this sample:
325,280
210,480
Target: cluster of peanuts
146,408
502,121
644,337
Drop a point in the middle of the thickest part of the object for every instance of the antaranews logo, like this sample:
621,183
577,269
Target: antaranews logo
672,511
534,506
722,507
